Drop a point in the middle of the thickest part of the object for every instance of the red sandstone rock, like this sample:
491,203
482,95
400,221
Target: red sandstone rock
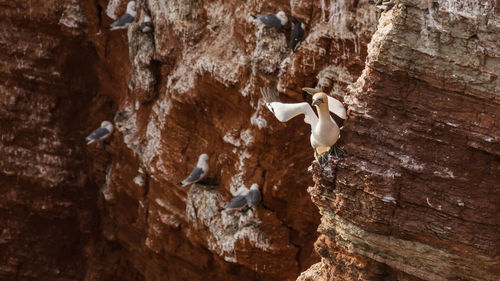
418,191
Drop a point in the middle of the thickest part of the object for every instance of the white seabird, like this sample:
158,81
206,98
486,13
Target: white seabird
100,133
246,197
126,19
271,20
198,173
147,25
324,131
297,33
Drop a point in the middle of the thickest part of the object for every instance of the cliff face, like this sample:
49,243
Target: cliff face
194,88
415,196
49,218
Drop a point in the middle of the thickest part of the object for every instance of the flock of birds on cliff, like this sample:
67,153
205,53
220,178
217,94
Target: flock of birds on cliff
324,130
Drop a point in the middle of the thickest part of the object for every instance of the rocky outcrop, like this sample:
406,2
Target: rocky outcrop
401,204
416,196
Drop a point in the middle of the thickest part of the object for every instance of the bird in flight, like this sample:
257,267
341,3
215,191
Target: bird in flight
324,130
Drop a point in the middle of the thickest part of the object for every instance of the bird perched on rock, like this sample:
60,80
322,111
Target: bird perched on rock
253,196
126,19
271,20
147,25
297,33
245,197
100,133
198,173
324,131
238,201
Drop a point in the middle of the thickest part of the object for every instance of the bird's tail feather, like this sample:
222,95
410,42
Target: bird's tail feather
269,95
253,18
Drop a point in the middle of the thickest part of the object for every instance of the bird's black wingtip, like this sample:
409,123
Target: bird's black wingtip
269,95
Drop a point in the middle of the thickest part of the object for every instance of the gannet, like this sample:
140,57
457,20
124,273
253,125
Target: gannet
272,20
324,130
198,173
126,19
100,133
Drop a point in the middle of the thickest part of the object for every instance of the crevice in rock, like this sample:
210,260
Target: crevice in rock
99,15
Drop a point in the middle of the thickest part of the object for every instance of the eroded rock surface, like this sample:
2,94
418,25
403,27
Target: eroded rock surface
207,65
417,194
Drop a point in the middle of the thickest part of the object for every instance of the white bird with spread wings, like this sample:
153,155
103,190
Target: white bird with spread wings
324,130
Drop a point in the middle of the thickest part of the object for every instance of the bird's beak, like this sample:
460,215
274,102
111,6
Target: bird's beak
317,102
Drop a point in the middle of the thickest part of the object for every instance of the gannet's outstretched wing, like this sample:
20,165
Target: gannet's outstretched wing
337,107
286,111
334,105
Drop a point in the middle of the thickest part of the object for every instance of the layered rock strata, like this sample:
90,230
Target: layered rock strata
416,197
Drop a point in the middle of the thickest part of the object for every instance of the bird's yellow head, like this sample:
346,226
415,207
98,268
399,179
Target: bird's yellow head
319,99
